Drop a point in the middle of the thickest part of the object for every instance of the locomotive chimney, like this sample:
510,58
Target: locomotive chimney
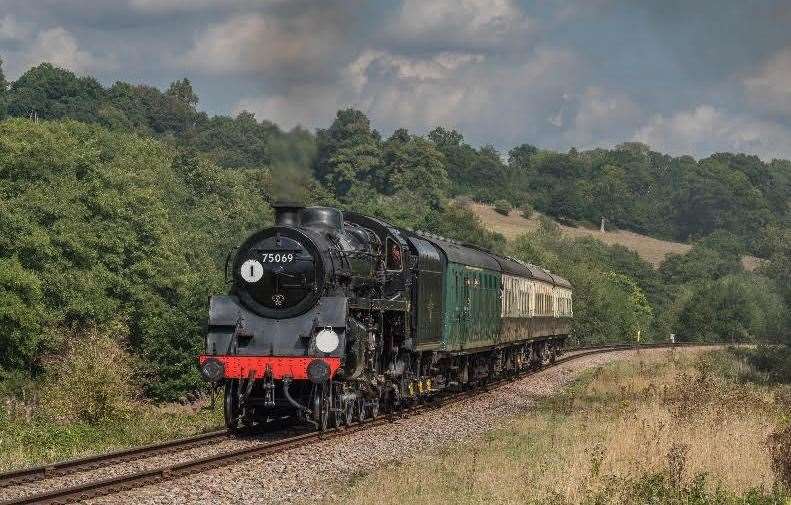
288,213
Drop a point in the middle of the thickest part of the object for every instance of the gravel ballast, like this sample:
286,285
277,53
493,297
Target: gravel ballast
309,473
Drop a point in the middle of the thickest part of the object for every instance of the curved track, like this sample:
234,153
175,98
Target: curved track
124,482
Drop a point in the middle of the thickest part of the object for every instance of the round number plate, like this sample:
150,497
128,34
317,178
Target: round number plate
252,271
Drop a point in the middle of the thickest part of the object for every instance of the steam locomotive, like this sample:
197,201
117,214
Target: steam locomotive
333,317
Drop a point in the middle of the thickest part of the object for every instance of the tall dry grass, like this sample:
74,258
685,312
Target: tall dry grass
88,402
677,422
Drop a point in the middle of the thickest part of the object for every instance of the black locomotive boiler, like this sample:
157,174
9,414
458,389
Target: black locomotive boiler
332,317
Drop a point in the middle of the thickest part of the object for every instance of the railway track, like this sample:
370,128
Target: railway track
115,484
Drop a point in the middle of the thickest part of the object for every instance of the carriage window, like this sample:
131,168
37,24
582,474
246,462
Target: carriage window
394,259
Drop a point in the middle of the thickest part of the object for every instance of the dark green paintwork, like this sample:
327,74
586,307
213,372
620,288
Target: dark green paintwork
472,307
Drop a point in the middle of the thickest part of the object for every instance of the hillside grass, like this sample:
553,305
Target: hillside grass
30,440
87,401
660,429
650,249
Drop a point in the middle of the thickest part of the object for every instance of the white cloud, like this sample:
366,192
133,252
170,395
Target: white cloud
771,88
436,67
255,43
306,105
419,92
601,118
59,47
467,23
163,6
706,129
459,90
11,29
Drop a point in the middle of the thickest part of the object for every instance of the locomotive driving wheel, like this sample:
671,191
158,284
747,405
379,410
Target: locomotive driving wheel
338,409
321,406
349,411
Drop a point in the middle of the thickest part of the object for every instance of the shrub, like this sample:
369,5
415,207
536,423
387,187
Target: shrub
464,201
93,380
780,450
21,314
740,308
502,207
526,211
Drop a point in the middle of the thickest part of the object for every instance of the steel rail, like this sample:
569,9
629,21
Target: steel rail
142,478
66,467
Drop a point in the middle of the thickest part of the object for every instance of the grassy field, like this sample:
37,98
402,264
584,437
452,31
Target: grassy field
88,401
27,440
650,249
682,428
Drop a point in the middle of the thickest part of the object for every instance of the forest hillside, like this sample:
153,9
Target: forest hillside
119,205
650,249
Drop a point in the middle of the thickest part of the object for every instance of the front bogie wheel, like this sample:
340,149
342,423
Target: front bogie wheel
231,409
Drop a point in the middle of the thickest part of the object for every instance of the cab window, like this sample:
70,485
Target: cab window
395,260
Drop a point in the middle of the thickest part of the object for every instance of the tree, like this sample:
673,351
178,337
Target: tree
240,142
348,151
445,138
489,168
637,149
519,159
49,92
3,91
777,247
182,90
736,307
702,263
638,312
21,314
712,196
414,164
153,111
609,195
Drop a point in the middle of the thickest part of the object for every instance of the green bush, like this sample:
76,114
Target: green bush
768,363
502,207
526,211
735,308
661,489
94,380
464,201
21,315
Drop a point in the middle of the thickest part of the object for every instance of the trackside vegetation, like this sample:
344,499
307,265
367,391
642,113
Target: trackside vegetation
120,203
663,428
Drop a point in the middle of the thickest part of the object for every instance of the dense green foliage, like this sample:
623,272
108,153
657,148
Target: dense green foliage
768,364
118,206
103,228
614,290
735,307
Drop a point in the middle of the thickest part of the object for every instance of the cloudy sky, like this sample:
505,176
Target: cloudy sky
685,76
